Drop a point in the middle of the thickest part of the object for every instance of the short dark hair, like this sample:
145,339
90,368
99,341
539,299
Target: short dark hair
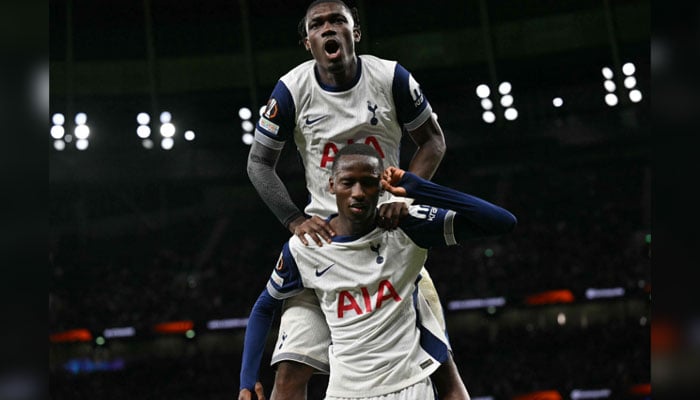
301,26
358,149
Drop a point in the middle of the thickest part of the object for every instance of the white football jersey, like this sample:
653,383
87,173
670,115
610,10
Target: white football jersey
381,100
367,290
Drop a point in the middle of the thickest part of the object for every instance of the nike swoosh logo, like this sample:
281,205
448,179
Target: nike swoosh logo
313,121
323,271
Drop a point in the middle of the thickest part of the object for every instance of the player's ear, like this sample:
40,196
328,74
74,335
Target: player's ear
307,45
331,186
357,35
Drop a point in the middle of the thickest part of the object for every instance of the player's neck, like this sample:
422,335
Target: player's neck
339,77
347,227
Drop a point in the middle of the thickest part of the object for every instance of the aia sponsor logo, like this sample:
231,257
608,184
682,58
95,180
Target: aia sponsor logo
330,149
368,302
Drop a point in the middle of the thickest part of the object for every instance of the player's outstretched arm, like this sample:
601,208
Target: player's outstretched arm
431,149
475,217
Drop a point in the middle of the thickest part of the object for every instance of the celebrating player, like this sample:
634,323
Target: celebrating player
325,103
365,279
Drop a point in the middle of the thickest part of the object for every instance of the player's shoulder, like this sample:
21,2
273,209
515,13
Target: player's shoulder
298,72
369,61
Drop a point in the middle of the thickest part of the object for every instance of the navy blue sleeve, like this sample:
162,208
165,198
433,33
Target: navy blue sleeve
278,120
256,333
475,217
408,97
285,280
429,226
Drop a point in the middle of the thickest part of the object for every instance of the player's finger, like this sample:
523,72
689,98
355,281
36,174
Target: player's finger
300,234
259,391
245,394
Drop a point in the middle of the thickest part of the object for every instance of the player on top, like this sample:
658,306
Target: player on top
325,103
366,278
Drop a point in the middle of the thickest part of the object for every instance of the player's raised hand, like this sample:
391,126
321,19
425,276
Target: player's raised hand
390,214
245,394
390,178
316,227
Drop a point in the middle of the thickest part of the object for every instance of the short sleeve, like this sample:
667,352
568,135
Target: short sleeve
277,123
285,280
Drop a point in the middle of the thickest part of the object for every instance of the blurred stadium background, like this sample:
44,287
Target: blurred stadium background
159,245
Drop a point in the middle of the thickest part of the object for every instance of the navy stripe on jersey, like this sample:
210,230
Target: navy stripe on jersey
285,280
409,103
278,122
429,342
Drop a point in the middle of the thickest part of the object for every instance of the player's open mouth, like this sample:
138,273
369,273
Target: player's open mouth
332,48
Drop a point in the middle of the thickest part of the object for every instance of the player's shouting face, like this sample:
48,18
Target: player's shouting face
356,185
331,36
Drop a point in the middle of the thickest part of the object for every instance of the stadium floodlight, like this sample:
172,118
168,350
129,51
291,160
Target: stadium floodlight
167,130
511,114
609,86
483,91
58,119
57,131
167,143
630,82
82,131
143,131
486,104
561,318
593,293
507,100
81,118
628,69
611,99
504,88
68,138
262,109
81,144
59,145
247,126
489,117
143,118
635,96
165,117
607,73
247,138
147,144
189,136
100,341
557,102
244,113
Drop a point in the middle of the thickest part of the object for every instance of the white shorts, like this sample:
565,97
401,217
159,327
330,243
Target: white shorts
304,336
422,390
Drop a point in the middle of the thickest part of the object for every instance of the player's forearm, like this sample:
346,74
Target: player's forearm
256,333
485,218
261,172
427,158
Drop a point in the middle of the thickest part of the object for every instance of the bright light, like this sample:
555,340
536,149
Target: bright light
507,100
59,145
511,114
561,319
580,394
189,136
628,69
57,131
167,143
504,88
557,102
483,91
80,118
476,303
82,131
635,96
244,113
143,131
247,138
143,118
486,104
262,110
68,138
247,126
165,117
81,144
189,334
167,130
58,119
593,293
611,99
100,341
147,144
489,117
607,73
609,86
126,331
630,82
227,323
